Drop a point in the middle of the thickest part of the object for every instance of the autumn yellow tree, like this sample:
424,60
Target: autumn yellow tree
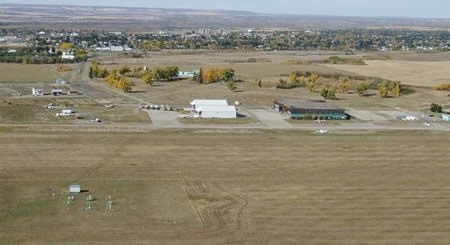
148,77
383,89
345,84
66,46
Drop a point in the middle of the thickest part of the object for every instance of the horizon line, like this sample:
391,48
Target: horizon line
230,10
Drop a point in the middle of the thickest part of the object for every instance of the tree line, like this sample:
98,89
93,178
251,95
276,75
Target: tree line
327,88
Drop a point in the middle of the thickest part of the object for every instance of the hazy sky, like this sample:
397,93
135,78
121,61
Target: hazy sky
397,8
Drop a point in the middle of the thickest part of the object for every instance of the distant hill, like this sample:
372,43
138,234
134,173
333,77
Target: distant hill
150,19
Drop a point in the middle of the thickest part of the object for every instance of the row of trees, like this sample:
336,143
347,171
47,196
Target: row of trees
166,73
35,60
387,88
97,72
442,87
327,88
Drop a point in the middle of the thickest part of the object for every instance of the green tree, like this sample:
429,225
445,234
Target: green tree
91,72
226,74
231,85
124,70
436,108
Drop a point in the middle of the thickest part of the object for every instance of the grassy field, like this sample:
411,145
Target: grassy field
409,72
219,187
33,73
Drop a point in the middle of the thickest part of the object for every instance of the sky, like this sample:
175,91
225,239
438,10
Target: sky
391,8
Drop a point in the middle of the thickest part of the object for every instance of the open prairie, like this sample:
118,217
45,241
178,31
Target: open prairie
35,73
419,73
225,187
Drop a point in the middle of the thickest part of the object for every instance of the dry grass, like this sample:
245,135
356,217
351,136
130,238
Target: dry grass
409,72
35,73
187,187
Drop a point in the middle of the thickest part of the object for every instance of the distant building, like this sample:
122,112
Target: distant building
310,110
188,74
446,117
117,49
69,55
60,81
38,91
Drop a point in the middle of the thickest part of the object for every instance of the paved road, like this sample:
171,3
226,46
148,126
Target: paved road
270,119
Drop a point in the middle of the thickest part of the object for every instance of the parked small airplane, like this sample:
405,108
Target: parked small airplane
427,124
320,121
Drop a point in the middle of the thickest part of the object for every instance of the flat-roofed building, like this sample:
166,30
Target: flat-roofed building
310,110
203,103
217,112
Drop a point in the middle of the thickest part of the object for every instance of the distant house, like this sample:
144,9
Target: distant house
117,49
446,117
61,81
38,91
68,55
188,74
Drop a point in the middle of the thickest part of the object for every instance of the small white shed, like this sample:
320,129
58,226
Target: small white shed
75,188
217,112
37,91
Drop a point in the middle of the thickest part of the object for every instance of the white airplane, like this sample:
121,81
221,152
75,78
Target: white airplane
322,131
427,124
320,121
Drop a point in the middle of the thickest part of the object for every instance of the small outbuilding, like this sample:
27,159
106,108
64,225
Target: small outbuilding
188,74
75,188
38,91
57,92
60,80
446,117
